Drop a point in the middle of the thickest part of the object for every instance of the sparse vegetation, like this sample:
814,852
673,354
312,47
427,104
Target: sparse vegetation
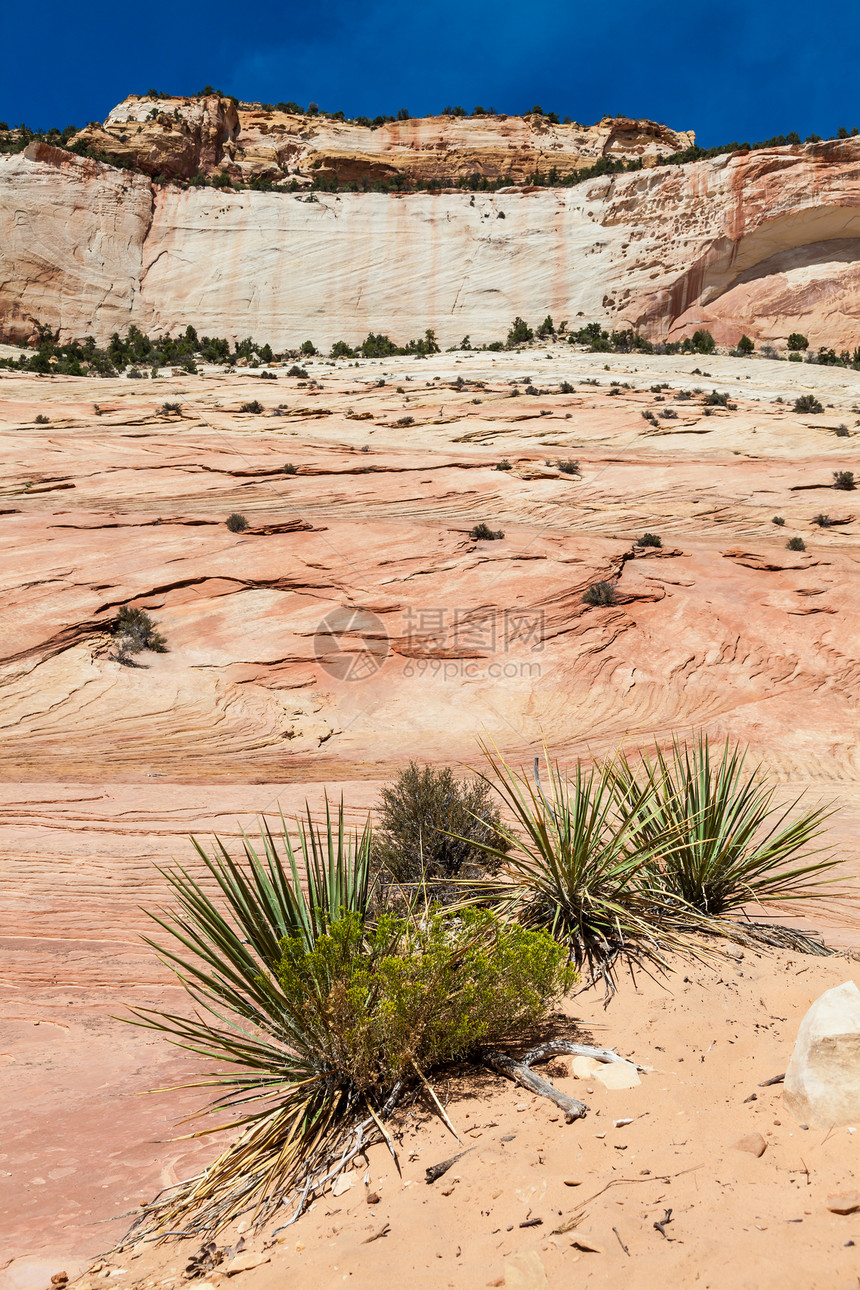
290,469
649,539
519,333
797,342
567,466
254,406
300,372
42,420
236,523
823,521
167,408
807,403
796,544
504,464
844,480
778,519
483,533
599,594
134,631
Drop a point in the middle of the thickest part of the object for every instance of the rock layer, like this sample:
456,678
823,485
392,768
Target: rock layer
763,243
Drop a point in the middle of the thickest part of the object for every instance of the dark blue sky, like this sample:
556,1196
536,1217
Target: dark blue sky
728,70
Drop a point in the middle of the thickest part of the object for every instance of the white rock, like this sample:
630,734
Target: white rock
822,1083
525,1271
618,1075
584,1067
343,1182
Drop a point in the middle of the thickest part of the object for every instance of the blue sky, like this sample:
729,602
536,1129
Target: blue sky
727,70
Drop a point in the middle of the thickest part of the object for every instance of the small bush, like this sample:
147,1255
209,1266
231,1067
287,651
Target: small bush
308,348
796,544
599,594
844,479
504,464
795,358
519,332
432,826
823,521
566,388
290,469
268,376
167,408
298,371
134,374
236,523
483,533
745,345
649,539
778,519
716,400
135,631
253,406
796,341
405,421
807,403
568,467
842,431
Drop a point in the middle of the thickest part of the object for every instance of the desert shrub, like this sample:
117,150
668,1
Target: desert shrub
298,371
268,376
567,467
649,539
483,533
236,523
823,521
842,431
844,479
340,349
795,358
807,403
778,519
253,406
290,469
648,415
796,341
745,345
519,332
134,631
795,544
504,464
314,1020
716,400
599,594
42,420
566,388
167,408
405,421
682,396
134,374
431,828
307,348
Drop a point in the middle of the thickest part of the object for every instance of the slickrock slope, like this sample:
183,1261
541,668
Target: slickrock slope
264,698
764,243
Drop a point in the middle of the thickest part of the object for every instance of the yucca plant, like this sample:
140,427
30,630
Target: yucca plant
315,1016
226,936
730,843
573,866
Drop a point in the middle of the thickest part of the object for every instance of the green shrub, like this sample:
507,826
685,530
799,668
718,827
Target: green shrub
167,408
778,519
483,533
236,523
842,431
566,388
823,521
567,467
807,403
290,469
298,371
519,333
308,348
716,400
134,631
796,544
844,479
431,827
504,464
599,594
745,345
797,342
340,349
795,358
649,539
380,1002
42,420
253,406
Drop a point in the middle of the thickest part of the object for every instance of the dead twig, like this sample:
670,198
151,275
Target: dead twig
774,1079
521,1074
436,1171
661,1224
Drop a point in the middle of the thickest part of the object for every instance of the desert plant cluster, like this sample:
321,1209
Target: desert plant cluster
335,974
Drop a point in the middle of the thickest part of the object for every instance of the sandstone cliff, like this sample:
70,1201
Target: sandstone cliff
764,243
181,137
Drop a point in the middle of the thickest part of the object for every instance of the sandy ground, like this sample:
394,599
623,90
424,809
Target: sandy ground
106,769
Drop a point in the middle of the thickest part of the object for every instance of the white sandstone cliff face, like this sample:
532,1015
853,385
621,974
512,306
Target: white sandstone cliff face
764,243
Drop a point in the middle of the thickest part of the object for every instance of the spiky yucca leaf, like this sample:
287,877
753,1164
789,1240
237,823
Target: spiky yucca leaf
573,867
225,944
732,843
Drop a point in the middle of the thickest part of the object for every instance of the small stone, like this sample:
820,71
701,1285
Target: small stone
619,1124
754,1144
573,1182
845,1203
618,1075
525,1271
59,1278
373,1198
245,1262
342,1183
